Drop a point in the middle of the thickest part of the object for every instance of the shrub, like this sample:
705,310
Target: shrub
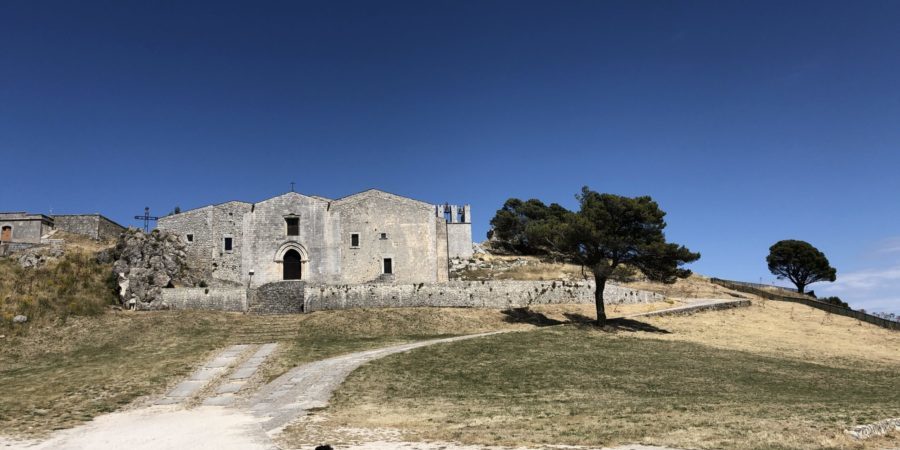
835,301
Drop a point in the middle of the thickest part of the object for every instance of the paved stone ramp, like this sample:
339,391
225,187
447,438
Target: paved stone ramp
698,305
235,381
211,370
311,385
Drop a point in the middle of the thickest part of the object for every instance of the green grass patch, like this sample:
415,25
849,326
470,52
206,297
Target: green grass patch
571,385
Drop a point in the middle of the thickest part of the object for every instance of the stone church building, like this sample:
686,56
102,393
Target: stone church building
372,236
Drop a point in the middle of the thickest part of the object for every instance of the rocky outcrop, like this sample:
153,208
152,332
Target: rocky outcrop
145,264
38,256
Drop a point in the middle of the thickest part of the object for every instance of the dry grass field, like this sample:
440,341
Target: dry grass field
60,374
768,376
63,373
773,375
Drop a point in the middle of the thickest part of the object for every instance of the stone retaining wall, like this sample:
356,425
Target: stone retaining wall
93,226
9,247
287,297
284,297
215,299
466,294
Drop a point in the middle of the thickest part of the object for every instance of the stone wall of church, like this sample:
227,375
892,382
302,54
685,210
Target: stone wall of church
442,268
459,240
388,226
204,231
265,233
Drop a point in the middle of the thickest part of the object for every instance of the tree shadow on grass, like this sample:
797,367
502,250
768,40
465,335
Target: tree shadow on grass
526,315
613,325
623,324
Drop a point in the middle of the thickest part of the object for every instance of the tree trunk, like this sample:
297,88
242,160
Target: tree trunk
800,287
600,282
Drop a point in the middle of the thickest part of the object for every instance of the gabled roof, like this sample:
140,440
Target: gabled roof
341,201
377,192
295,194
199,208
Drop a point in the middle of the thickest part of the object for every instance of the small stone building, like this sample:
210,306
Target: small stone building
372,236
25,228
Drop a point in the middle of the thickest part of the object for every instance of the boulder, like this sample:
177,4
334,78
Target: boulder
20,319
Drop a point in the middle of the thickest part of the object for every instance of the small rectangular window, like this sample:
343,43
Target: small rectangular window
388,265
354,240
190,238
228,243
383,235
293,226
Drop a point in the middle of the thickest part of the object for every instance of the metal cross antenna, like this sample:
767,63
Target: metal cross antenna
146,218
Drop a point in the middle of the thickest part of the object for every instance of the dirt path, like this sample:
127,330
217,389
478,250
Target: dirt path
311,385
247,424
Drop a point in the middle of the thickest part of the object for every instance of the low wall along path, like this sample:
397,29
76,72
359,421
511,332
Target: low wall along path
297,296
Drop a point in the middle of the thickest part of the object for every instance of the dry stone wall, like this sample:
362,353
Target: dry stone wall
469,294
107,229
93,226
213,299
286,297
283,297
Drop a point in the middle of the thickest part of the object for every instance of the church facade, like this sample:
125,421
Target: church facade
371,236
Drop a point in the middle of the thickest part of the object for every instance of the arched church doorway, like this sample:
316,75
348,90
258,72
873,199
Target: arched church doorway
291,265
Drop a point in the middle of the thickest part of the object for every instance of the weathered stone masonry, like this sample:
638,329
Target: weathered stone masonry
94,226
466,294
25,228
298,296
297,253
372,236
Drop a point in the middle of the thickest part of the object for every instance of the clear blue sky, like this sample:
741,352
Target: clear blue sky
749,122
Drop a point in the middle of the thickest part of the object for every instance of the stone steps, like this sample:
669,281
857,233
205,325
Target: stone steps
232,383
206,374
220,378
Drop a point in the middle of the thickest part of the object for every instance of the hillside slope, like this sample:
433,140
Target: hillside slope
51,283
